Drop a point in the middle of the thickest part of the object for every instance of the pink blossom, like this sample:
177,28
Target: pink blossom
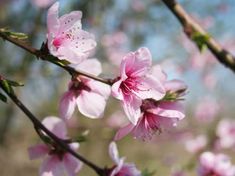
135,83
56,161
121,168
87,94
66,39
42,3
226,133
215,165
207,109
156,115
196,144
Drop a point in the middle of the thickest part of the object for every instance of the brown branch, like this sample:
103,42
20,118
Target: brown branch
190,26
43,56
38,125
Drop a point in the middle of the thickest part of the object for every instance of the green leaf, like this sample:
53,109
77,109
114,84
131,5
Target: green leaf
7,86
146,172
18,35
14,83
3,98
200,40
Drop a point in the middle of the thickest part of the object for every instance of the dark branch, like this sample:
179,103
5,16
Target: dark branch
191,26
43,56
38,125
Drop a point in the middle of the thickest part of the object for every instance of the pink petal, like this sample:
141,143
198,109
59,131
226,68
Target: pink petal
38,151
139,63
99,88
70,54
72,165
116,91
113,152
91,104
56,126
131,106
169,113
92,66
159,73
123,131
67,105
118,167
150,87
172,110
52,18
52,166
71,20
175,85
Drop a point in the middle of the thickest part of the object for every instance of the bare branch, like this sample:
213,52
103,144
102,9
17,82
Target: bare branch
191,27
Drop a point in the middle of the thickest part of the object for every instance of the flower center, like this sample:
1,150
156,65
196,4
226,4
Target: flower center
128,85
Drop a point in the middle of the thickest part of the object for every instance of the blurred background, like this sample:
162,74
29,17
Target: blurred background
119,27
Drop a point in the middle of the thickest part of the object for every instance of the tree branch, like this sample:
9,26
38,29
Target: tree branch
38,125
45,56
191,27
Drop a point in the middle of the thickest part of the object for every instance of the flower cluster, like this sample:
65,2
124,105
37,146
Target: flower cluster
211,164
56,160
149,100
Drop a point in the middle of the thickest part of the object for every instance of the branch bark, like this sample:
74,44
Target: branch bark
190,26
38,125
43,56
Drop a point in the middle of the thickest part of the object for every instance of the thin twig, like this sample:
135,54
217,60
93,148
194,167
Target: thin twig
191,26
43,56
39,125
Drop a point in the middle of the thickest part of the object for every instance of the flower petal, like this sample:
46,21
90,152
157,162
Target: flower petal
139,63
113,152
72,165
38,151
67,105
92,66
51,166
99,88
150,87
52,18
131,106
56,126
159,73
123,131
70,54
71,21
91,104
175,85
116,91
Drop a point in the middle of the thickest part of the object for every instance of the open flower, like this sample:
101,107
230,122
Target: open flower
56,161
156,115
226,133
88,95
65,38
121,168
215,165
135,84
